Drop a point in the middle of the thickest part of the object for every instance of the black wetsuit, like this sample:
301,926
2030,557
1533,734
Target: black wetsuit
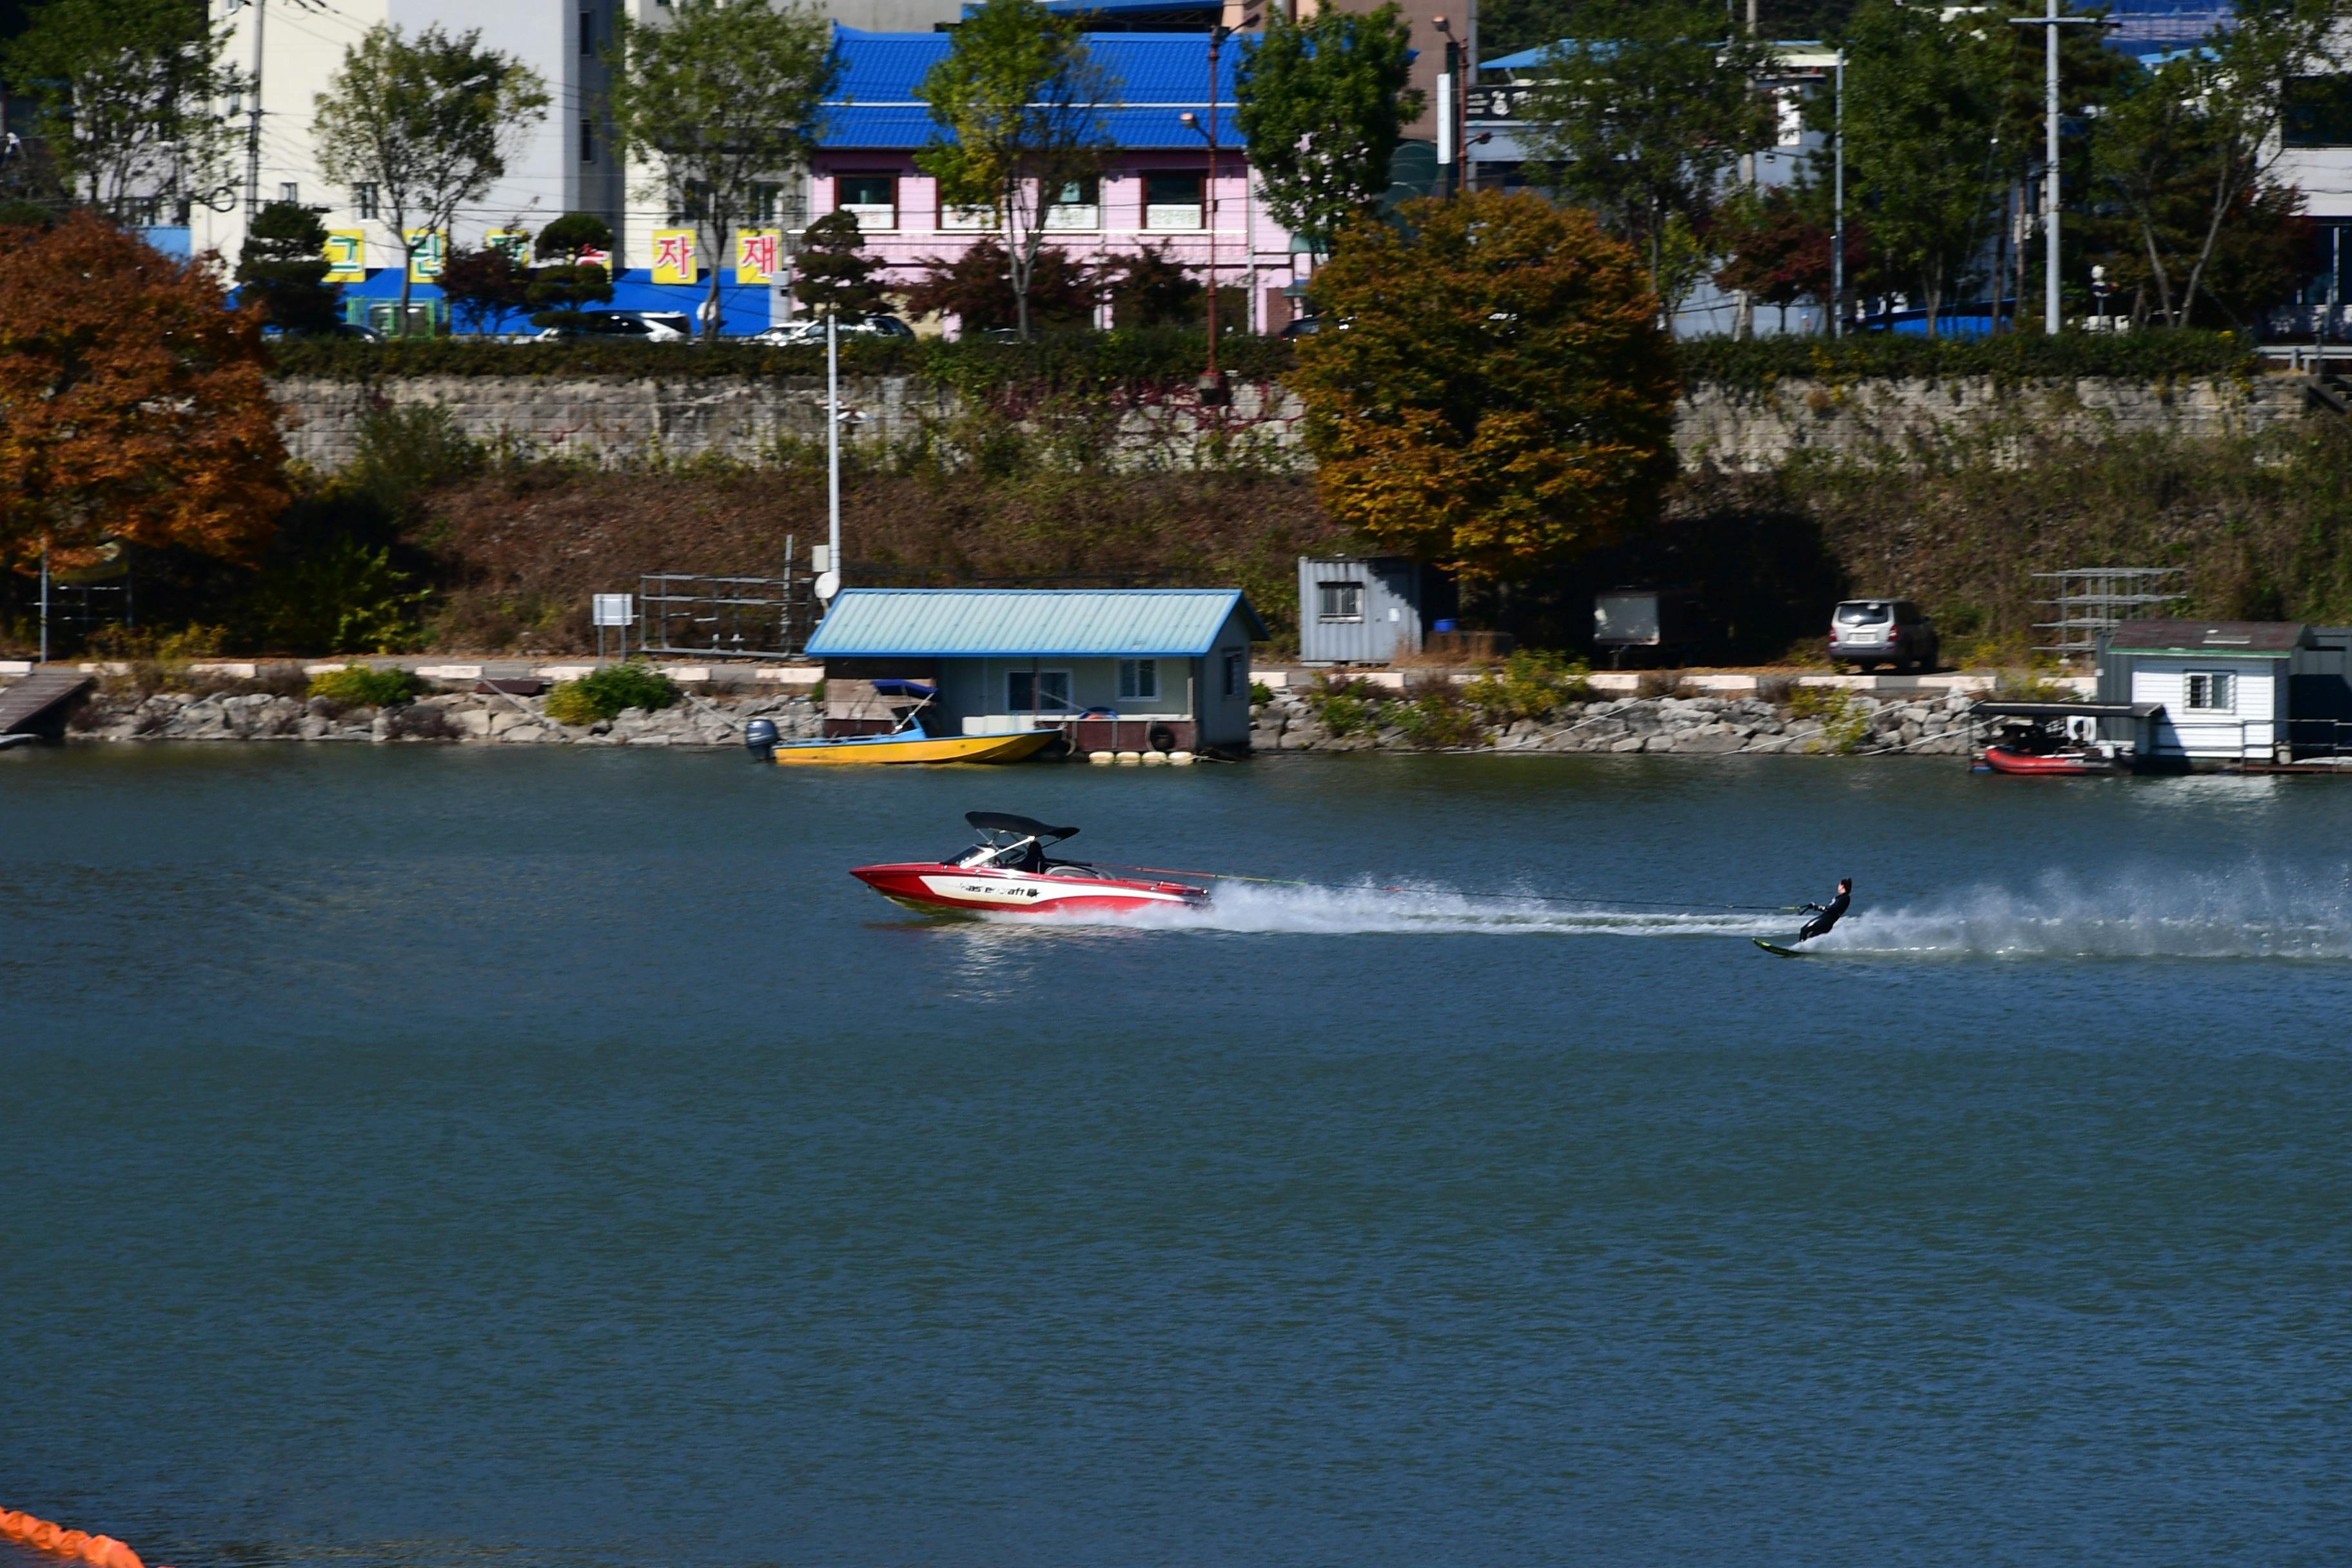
1826,918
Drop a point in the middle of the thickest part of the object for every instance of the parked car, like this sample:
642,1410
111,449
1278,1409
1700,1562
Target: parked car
642,326
811,329
1868,633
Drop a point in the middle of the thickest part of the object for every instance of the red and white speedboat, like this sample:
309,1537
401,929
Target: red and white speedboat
1009,872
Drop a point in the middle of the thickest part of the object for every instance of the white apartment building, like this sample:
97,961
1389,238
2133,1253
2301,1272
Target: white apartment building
567,162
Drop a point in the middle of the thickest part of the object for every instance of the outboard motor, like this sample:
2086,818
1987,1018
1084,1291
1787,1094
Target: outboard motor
760,739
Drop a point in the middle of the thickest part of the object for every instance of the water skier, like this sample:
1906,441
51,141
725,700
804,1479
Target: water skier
1826,916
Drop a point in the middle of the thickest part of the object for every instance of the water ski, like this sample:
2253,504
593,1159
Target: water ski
1776,952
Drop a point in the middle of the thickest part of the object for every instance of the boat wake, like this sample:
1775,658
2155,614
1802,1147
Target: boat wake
2249,915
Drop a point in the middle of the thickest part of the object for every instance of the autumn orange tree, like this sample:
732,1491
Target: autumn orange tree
1492,392
132,402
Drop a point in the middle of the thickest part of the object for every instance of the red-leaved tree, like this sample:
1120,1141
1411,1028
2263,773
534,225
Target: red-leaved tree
134,404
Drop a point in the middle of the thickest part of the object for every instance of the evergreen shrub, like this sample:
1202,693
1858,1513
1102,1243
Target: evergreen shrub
608,691
366,686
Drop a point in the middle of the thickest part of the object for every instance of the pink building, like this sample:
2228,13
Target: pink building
1156,193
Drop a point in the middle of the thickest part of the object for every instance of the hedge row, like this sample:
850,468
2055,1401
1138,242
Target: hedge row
1061,360
2011,356
1073,360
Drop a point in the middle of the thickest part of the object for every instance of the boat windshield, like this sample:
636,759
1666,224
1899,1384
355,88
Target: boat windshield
1012,857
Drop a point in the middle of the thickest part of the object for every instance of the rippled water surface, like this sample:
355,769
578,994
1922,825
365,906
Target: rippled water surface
418,1157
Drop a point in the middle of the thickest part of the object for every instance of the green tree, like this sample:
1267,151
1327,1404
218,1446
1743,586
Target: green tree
565,285
283,269
1323,104
1925,98
1019,105
720,103
833,274
2187,151
1642,118
430,122
130,96
1503,397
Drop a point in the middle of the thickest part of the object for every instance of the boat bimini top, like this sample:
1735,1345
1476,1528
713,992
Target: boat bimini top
1012,843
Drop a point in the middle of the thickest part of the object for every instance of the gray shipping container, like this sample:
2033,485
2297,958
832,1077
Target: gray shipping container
1359,609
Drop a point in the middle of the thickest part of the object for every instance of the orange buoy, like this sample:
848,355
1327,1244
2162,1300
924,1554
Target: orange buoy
71,1542
44,1535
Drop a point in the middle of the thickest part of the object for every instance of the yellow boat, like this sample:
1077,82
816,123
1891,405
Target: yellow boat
914,747
909,742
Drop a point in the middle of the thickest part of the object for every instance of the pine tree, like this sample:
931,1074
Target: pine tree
832,274
560,294
283,269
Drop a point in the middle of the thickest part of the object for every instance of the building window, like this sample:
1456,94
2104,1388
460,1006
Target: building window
1140,678
871,199
1236,666
587,32
2318,112
364,199
1076,206
966,220
289,192
771,203
1037,692
2211,691
1338,601
1171,201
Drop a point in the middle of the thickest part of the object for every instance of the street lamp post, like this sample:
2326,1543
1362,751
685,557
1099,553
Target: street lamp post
1837,236
1212,383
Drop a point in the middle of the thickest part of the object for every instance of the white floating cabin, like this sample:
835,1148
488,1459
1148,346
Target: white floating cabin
2234,693
1164,669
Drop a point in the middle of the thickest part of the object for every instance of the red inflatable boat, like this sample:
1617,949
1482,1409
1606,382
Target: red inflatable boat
1008,872
2001,760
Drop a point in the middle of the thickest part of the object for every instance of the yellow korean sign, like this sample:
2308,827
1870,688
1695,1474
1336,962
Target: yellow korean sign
515,242
429,252
346,256
674,257
759,256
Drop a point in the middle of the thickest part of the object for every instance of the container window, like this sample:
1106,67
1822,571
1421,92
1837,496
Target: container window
1139,677
1338,601
2212,692
1037,692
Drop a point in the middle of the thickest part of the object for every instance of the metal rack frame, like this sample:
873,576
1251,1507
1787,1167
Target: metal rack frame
725,617
2109,595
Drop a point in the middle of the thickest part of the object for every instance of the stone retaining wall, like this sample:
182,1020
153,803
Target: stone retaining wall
470,717
1845,723
617,421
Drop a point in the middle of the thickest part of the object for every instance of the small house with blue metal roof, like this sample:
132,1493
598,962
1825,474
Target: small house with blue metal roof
1162,190
1123,670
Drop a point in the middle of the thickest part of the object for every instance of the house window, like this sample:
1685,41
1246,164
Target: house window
289,192
587,32
364,199
587,140
1139,677
2211,691
871,199
967,220
1236,666
768,203
1171,201
1037,692
1338,601
1076,206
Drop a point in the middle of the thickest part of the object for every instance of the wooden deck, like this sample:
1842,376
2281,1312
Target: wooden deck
38,705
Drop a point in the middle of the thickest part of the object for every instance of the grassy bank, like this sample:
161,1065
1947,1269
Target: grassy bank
426,545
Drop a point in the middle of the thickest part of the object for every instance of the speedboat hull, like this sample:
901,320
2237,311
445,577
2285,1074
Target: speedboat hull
2055,765
937,889
916,749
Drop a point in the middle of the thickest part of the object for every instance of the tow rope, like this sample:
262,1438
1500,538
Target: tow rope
1683,905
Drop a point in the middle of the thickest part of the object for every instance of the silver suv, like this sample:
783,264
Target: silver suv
1868,633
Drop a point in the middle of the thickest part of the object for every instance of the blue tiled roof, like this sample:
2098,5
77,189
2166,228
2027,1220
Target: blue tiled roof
1160,76
1022,623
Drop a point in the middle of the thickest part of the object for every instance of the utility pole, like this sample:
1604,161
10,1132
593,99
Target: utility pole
253,123
1744,323
1837,236
2053,318
1212,380
833,449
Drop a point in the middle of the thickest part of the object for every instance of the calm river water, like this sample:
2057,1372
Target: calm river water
420,1157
